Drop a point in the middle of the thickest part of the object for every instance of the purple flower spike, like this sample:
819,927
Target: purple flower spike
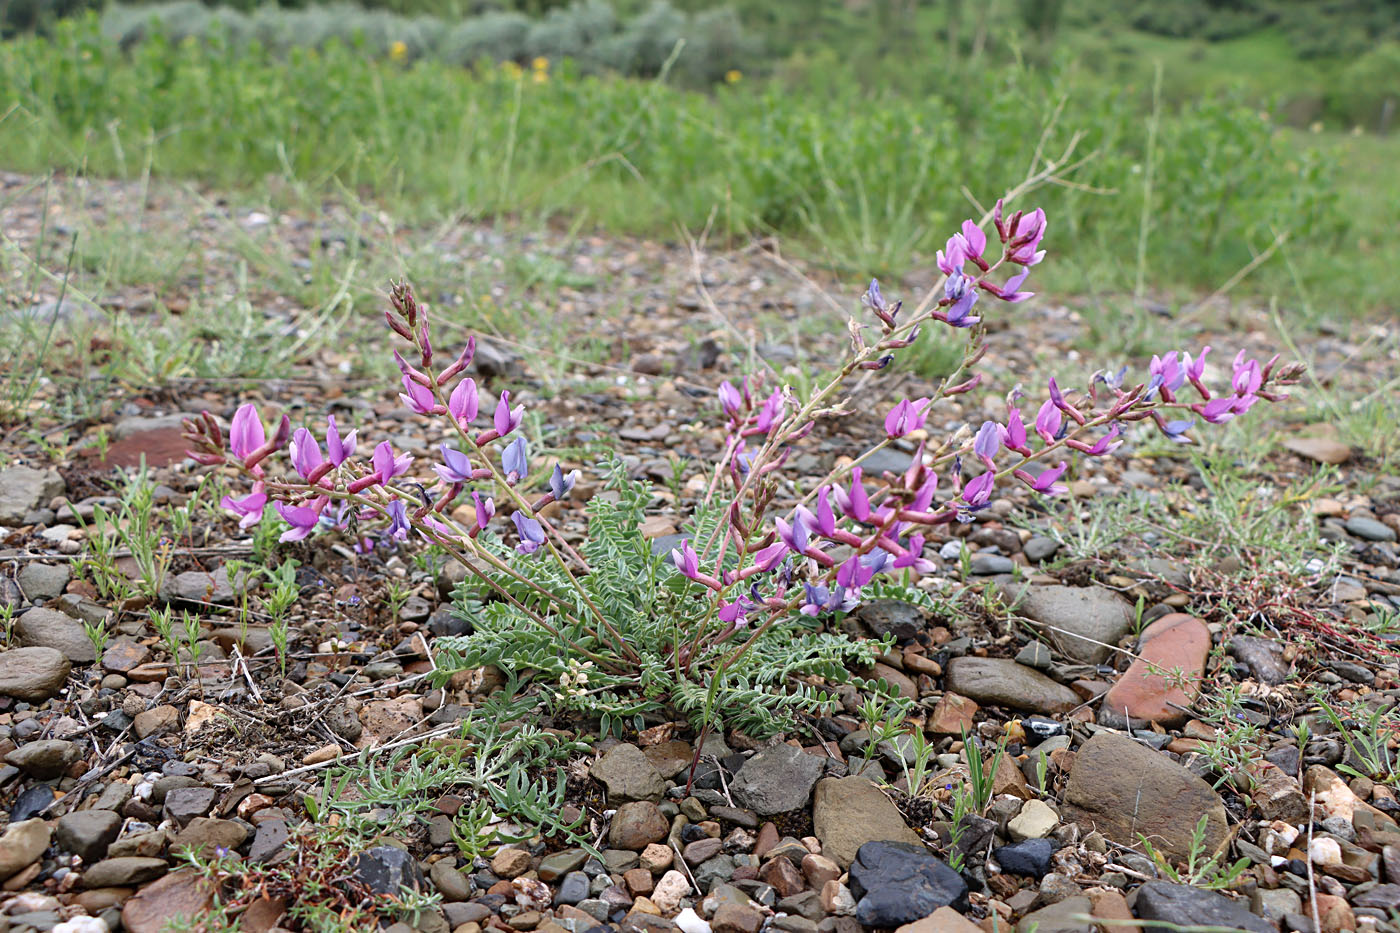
302,518
338,449
386,465
418,398
530,531
987,442
456,466
398,520
305,452
515,460
464,403
249,509
729,398
485,509
906,417
246,432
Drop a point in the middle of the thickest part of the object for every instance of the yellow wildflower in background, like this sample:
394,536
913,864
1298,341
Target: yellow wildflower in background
512,69
732,76
398,50
541,63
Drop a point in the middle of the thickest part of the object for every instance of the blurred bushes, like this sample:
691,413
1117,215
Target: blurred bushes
706,45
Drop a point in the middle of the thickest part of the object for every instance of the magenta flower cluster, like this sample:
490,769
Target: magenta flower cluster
815,557
367,491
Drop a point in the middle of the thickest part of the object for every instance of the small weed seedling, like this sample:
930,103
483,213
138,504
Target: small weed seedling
1200,870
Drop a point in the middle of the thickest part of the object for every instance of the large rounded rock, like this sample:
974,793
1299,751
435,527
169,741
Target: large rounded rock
637,825
1125,790
32,674
87,833
184,894
849,812
45,759
124,871
1083,622
48,628
776,780
628,775
897,883
1003,682
23,489
21,845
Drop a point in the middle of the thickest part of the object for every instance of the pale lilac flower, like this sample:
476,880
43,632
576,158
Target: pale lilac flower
959,289
1176,430
530,531
1014,434
418,398
456,466
978,491
856,504
771,413
464,403
987,442
907,416
507,419
974,240
913,557
561,483
515,460
398,520
1010,292
953,256
825,518
794,535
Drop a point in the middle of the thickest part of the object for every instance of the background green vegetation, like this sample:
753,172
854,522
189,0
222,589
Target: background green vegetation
1219,144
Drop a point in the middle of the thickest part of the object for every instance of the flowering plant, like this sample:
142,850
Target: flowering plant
624,632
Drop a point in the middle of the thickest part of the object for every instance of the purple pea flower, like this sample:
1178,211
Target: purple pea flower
1010,292
302,518
1022,249
770,413
729,398
816,599
856,504
398,520
485,509
953,255
418,398
907,416
793,535
246,433
515,460
913,557
1045,482
765,559
507,419
530,531
1014,434
464,403
456,466
686,560
305,453
1103,445
974,242
1167,373
338,449
249,509
734,612
959,289
1048,421
386,465
1176,430
561,483
853,574
978,491
988,442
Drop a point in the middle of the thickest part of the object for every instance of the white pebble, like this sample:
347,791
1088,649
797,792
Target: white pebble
1324,851
82,925
691,922
669,890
